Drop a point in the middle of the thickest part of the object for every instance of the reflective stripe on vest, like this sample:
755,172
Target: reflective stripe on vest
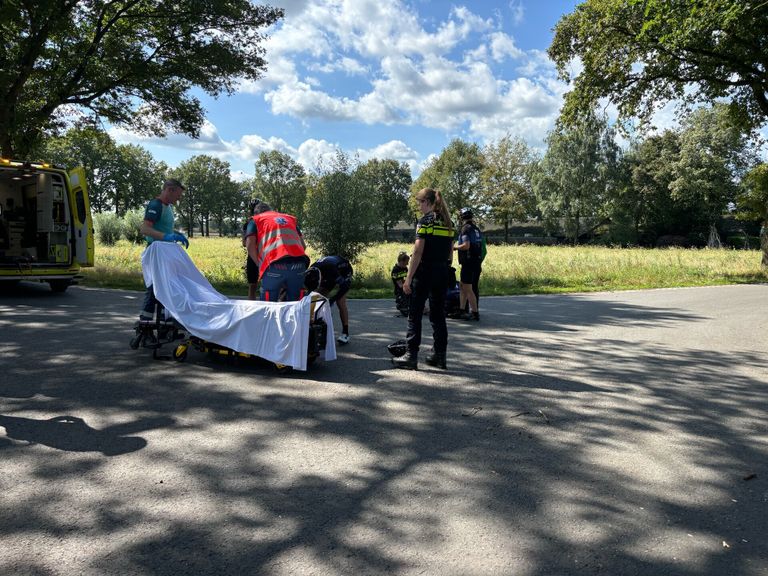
434,230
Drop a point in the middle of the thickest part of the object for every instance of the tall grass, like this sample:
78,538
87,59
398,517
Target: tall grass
519,269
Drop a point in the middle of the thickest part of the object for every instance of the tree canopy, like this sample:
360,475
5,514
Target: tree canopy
131,62
120,176
281,182
639,54
456,174
338,215
389,183
210,193
577,176
507,191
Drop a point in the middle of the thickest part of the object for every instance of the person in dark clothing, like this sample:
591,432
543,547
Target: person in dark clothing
251,269
327,274
399,272
469,249
427,279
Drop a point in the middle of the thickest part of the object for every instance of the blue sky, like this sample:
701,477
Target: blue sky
386,79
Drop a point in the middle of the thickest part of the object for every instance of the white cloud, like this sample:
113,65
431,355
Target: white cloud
411,75
373,62
208,142
518,11
313,153
251,145
503,46
301,100
349,66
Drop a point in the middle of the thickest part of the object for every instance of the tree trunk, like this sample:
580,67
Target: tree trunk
764,244
714,237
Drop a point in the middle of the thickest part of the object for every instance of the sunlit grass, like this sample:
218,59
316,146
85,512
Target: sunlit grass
519,269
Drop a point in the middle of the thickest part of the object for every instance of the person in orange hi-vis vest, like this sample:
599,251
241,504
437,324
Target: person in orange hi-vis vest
275,244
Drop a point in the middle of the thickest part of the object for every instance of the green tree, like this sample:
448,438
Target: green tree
132,62
641,53
137,177
576,176
647,202
455,173
714,156
281,182
752,203
96,152
388,183
506,189
338,217
208,189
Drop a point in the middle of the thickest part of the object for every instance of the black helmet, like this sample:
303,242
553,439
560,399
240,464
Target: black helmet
398,348
466,214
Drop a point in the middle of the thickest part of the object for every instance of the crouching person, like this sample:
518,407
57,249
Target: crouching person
327,274
399,272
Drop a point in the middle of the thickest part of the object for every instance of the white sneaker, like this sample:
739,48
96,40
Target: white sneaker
343,339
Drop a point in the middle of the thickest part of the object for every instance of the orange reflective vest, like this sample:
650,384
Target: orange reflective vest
277,236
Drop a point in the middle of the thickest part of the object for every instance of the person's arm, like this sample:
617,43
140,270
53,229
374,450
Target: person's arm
418,250
147,229
252,247
462,243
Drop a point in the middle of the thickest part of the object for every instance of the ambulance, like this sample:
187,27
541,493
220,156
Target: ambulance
46,229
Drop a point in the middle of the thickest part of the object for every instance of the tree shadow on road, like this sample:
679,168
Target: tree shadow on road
527,456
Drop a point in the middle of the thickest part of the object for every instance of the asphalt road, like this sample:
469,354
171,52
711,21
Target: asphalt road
609,433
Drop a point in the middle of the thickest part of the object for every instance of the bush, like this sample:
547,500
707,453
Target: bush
109,228
743,242
131,222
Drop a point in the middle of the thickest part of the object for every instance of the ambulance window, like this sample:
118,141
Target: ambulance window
80,201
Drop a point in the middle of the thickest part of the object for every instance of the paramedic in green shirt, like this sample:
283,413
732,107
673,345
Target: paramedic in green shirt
158,225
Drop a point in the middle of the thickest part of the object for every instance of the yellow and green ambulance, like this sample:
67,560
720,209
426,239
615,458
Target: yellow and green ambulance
46,230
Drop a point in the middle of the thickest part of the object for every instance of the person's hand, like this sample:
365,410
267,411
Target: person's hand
176,237
407,289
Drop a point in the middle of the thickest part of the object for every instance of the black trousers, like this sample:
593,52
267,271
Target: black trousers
428,284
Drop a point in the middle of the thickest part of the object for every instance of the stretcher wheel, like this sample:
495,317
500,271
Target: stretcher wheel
283,368
180,352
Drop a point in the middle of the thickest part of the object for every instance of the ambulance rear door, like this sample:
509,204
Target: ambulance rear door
82,223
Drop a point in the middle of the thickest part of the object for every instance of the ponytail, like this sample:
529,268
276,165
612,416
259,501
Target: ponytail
436,199
442,209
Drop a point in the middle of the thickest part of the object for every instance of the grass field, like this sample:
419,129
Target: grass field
518,269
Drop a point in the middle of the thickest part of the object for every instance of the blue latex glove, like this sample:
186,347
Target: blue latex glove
176,237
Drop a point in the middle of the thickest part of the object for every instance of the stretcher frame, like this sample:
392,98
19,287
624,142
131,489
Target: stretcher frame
158,332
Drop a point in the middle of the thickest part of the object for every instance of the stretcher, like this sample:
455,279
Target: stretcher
287,334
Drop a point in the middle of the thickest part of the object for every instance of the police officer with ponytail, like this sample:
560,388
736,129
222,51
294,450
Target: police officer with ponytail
427,279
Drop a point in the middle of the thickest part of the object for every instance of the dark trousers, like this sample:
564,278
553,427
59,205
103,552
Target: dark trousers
428,285
150,303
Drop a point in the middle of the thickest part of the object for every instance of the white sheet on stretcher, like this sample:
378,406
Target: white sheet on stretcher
275,331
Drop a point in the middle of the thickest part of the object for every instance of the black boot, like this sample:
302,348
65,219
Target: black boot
409,361
437,360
